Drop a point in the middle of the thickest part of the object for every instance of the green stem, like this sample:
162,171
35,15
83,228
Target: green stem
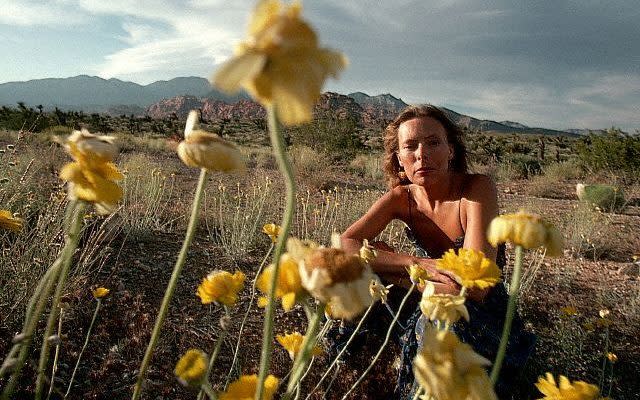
214,355
384,344
305,353
246,315
70,247
285,167
54,369
514,289
344,349
35,308
168,294
206,388
84,346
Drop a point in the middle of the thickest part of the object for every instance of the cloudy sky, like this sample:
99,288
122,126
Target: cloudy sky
551,63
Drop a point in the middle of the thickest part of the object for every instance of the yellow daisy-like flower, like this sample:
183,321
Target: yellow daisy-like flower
191,369
526,230
100,292
612,357
201,149
292,342
417,274
442,307
450,370
271,230
569,311
470,268
221,287
334,276
92,175
280,62
288,286
9,222
245,388
566,390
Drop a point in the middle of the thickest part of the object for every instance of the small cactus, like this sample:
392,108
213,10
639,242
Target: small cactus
605,197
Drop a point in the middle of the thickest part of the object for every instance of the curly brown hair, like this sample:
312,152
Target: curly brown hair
391,165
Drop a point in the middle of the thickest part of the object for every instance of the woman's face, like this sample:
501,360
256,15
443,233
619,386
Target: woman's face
423,149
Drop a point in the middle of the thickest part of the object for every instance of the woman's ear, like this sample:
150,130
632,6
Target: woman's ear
399,162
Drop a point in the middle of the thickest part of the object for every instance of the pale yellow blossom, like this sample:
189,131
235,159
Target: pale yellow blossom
527,230
470,268
221,287
9,222
191,369
245,388
292,342
565,389
447,308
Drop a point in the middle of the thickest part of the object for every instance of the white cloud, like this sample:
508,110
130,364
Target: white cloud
31,13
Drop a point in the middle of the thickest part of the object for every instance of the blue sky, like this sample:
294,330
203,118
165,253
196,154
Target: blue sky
555,64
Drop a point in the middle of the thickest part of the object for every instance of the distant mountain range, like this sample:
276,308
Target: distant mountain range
162,98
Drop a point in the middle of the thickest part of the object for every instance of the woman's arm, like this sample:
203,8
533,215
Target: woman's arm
387,264
480,207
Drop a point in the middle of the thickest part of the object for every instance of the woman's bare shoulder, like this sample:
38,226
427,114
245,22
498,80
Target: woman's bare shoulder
478,186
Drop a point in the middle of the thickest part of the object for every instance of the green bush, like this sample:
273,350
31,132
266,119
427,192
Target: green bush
329,135
613,151
605,197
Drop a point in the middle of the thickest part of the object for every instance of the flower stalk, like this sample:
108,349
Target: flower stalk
301,361
284,165
224,325
70,247
164,307
384,344
84,346
514,289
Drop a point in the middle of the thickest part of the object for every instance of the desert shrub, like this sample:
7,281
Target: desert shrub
605,197
613,151
307,161
562,171
545,186
520,166
368,166
329,135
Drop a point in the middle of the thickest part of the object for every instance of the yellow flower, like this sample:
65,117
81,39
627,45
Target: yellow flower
288,286
526,230
92,175
417,274
450,370
221,287
569,310
271,230
191,369
201,149
566,390
292,342
280,63
442,307
612,357
9,222
245,388
335,276
367,252
378,291
604,313
470,268
100,292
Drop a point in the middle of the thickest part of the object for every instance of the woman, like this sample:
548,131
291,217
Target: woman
444,207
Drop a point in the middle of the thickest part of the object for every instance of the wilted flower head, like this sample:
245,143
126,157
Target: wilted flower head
378,291
9,222
367,252
288,285
442,307
292,342
191,369
100,292
470,268
526,230
245,388
221,287
201,149
332,275
280,62
566,390
450,370
92,175
271,230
